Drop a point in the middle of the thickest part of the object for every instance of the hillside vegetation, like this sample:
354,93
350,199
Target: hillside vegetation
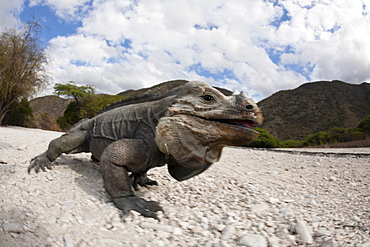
315,107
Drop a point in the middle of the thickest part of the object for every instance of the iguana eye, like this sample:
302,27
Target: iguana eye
208,98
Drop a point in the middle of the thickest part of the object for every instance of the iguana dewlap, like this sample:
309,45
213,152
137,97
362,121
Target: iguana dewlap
185,128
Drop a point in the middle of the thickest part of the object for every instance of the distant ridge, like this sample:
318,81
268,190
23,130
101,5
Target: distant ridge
315,106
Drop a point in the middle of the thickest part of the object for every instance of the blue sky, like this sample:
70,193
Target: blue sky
259,47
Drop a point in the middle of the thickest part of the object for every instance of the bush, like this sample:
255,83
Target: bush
19,114
88,108
265,140
94,103
70,116
364,125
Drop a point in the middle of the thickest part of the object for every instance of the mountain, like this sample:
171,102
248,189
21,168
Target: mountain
313,107
46,111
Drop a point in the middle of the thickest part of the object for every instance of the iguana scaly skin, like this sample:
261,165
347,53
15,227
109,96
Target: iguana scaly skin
185,128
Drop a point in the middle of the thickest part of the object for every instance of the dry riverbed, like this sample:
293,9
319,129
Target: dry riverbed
249,198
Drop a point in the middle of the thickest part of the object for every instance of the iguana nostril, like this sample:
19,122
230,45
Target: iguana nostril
249,107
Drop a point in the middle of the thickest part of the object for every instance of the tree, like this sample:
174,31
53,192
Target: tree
22,61
19,114
364,125
74,91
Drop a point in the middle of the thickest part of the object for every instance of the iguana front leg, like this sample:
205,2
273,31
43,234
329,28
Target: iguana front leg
117,159
73,142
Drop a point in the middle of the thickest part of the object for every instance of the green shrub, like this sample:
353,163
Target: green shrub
87,108
265,140
19,114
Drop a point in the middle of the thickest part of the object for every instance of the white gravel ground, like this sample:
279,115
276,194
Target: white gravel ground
249,198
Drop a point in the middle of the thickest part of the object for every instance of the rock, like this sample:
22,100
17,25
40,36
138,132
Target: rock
197,229
327,243
302,230
273,200
68,241
228,232
322,233
366,244
162,234
13,227
177,231
253,240
259,208
155,226
282,232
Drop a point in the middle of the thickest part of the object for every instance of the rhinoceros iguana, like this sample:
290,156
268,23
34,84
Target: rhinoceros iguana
185,128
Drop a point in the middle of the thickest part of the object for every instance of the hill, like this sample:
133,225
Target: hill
315,106
46,111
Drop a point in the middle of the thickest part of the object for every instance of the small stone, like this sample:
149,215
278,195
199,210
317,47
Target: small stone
177,231
259,208
333,179
322,233
366,244
355,218
162,234
197,229
22,147
109,226
329,243
13,227
282,233
253,240
220,227
302,230
68,241
82,244
228,232
269,223
273,200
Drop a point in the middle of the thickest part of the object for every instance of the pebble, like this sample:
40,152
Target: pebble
259,208
13,227
253,240
303,231
68,241
228,232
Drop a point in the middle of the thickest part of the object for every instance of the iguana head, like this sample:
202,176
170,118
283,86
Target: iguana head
200,123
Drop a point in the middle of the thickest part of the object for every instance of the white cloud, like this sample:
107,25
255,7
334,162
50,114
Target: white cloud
66,9
257,46
9,11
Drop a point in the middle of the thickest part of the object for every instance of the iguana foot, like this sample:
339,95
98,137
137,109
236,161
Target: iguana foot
146,208
39,162
142,180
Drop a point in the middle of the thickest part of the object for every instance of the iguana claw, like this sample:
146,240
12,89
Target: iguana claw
142,180
39,162
146,208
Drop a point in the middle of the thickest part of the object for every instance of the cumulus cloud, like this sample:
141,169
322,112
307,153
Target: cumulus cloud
67,9
9,12
256,46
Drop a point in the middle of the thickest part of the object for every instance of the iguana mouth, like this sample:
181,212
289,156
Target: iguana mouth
248,124
242,123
